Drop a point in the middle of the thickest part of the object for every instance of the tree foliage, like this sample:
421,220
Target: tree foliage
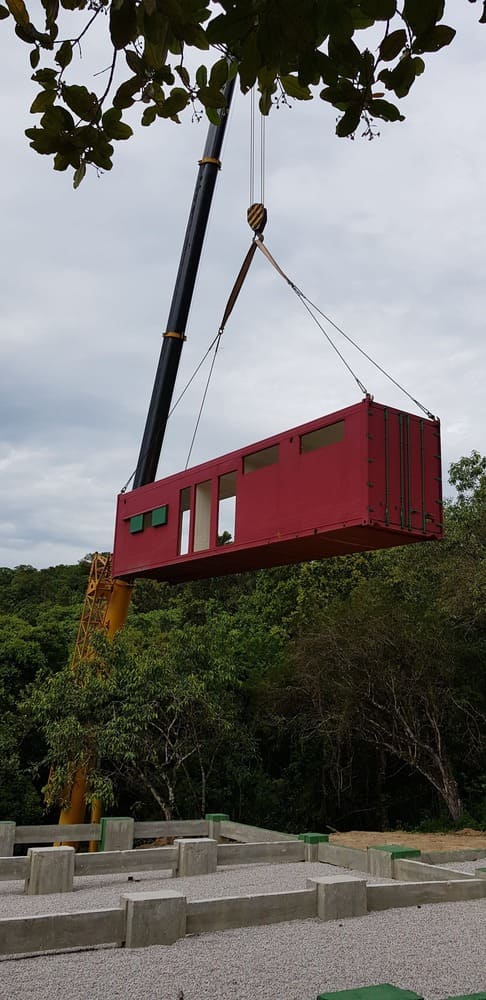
339,693
353,53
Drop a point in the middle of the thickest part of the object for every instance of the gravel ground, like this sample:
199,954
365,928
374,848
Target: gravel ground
468,867
438,951
96,891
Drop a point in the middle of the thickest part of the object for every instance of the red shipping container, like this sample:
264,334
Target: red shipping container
365,477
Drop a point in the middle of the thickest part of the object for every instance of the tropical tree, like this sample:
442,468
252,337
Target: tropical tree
350,52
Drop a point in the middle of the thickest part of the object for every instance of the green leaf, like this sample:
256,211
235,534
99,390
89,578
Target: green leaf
295,89
383,109
211,98
192,34
19,12
113,127
393,44
149,115
84,104
4,12
202,76
421,15
34,58
345,55
213,116
56,120
43,142
46,77
44,100
124,95
327,69
344,92
64,54
401,78
183,74
123,23
61,161
348,124
79,175
219,74
434,39
134,62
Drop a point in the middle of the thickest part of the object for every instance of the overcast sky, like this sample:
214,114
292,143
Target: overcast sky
388,237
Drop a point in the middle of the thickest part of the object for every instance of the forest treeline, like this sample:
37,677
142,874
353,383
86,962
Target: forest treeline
336,694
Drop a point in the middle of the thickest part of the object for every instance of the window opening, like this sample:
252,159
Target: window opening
321,437
185,521
260,459
202,516
226,509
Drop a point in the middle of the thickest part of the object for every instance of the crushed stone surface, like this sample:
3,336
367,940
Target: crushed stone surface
437,951
468,867
94,891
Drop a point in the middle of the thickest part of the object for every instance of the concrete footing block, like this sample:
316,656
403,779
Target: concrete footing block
51,869
197,856
339,897
153,918
381,859
215,820
116,833
311,843
7,838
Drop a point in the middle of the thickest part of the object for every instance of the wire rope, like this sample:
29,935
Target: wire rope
208,380
306,301
252,146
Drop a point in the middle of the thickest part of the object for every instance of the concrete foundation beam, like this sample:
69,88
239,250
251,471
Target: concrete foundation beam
339,897
139,860
196,856
343,857
415,871
248,854
152,829
51,869
246,834
398,894
250,911
7,838
53,932
153,918
116,833
13,868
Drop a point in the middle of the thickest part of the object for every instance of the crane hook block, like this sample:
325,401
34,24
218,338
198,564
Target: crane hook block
257,217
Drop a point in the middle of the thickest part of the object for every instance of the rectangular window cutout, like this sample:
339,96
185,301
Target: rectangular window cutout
136,524
202,516
226,509
185,521
323,436
260,459
159,516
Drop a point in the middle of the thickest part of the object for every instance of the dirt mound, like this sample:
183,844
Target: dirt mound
467,838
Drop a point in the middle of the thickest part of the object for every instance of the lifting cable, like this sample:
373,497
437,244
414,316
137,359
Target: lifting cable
311,307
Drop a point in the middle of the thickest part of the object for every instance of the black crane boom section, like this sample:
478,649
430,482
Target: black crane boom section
173,340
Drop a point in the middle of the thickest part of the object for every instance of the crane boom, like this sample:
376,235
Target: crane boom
174,337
